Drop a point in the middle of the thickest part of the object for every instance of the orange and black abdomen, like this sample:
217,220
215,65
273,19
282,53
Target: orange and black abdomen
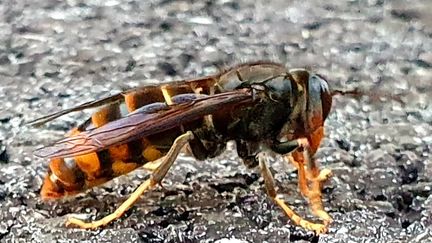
68,176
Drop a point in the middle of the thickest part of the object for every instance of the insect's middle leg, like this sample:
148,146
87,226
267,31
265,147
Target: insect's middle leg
154,180
271,191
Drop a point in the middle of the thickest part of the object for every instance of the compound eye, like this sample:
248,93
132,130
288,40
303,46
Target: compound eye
326,97
318,101
323,82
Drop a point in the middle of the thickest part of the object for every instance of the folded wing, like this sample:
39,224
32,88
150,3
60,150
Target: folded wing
140,124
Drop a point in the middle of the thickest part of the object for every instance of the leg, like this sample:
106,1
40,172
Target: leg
288,147
166,95
299,161
305,175
312,172
297,158
151,166
315,177
155,179
314,140
314,194
271,191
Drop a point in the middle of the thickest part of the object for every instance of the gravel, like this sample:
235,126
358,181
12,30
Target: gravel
56,54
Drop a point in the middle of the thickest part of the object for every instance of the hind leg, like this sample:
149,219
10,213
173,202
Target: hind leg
155,179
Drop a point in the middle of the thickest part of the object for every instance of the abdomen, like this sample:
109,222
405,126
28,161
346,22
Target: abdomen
68,176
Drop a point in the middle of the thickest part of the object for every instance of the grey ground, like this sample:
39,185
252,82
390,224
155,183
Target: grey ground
56,54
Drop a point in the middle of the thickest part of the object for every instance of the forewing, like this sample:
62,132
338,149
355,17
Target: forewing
140,125
202,81
92,104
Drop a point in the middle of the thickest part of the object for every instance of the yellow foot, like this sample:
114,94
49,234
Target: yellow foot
324,175
324,216
318,228
74,222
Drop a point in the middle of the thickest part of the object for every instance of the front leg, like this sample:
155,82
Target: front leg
310,179
292,148
316,178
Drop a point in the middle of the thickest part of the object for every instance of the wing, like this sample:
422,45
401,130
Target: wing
198,82
201,82
92,104
141,124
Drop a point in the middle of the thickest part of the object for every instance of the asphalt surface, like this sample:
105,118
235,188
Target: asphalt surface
56,54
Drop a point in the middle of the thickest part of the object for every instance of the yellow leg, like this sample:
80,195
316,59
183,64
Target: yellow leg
314,194
313,170
152,165
310,182
302,176
324,175
156,178
166,95
271,191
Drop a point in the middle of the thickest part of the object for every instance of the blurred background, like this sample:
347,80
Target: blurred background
57,54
